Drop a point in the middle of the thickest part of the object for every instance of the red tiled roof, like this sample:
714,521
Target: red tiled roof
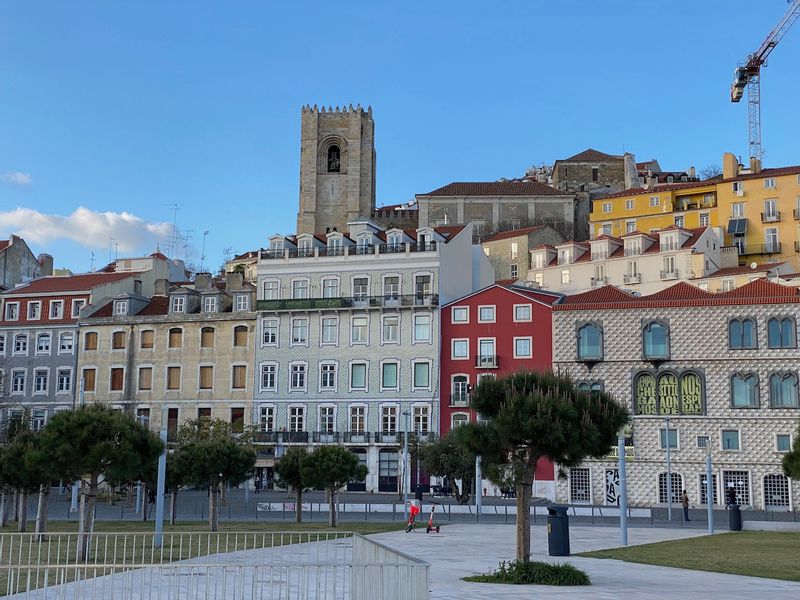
250,254
606,294
448,231
604,236
655,189
158,255
776,172
3,245
727,271
495,188
73,283
158,305
590,154
682,290
502,235
506,282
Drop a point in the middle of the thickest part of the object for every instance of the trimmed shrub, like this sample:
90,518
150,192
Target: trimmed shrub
526,573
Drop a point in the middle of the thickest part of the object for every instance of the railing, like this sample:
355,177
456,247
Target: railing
388,437
669,274
459,399
293,437
355,437
771,217
596,281
773,248
483,361
628,278
350,250
326,437
388,301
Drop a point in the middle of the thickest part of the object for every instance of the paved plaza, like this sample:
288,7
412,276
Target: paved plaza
466,549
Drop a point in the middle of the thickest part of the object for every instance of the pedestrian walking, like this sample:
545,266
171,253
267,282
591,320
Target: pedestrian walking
685,503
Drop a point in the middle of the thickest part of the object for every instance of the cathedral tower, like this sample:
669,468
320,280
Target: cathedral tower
337,167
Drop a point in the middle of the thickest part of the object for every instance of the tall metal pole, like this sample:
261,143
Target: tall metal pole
709,490
161,482
73,502
669,474
478,490
405,465
623,493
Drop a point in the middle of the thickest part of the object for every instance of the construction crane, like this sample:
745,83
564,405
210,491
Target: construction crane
749,75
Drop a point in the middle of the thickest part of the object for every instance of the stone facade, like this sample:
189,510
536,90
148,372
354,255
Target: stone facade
747,439
337,167
509,251
18,264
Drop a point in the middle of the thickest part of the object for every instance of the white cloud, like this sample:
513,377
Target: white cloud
86,227
17,178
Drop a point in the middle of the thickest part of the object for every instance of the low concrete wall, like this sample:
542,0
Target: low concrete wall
380,573
770,526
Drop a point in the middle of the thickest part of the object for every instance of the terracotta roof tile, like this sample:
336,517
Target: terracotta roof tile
775,172
158,305
728,271
604,295
3,245
73,283
655,189
495,188
590,154
502,235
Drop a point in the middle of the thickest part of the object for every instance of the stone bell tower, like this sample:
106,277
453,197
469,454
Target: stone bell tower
337,167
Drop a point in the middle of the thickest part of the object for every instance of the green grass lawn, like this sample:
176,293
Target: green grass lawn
754,553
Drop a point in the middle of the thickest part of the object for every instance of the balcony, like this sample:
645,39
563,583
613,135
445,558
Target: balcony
599,281
325,437
355,437
388,301
265,437
771,217
761,249
667,275
459,400
293,437
796,213
484,361
388,437
627,278
356,250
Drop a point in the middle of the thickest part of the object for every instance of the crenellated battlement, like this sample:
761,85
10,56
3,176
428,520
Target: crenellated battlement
344,110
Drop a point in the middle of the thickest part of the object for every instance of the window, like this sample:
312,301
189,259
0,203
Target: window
669,486
514,271
210,304
539,279
206,377
38,418
742,334
459,314
591,387
271,289
776,492
388,419
522,312
628,204
297,418
360,288
595,173
34,311
144,380
120,307
267,418
327,376
40,381
389,379
300,330
740,482
580,487
781,333
64,382
607,206
90,341
269,379
173,378
514,250
117,379
783,442
12,311
358,419
297,380
486,314
744,390
391,329
300,288
327,420
730,439
422,375
89,380
391,286
118,340
590,342
358,376
242,303
77,305
18,382
177,305
334,159
704,488
56,309
422,418
783,390
565,276
147,338
240,335
522,347
2,344
269,329
21,343
702,441
769,183
358,332
705,220
737,210
237,419
207,337
43,343
672,436
655,201
458,419
239,377
460,349
175,337
538,260
422,328
679,221
655,340
330,288
330,330
486,353
422,286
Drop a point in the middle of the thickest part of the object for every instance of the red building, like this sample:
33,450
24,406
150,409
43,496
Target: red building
493,332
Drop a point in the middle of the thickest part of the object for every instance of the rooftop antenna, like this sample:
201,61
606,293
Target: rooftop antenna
173,238
227,253
110,249
91,265
116,250
187,235
203,251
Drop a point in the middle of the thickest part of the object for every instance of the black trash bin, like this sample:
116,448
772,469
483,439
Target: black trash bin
418,493
557,530
735,517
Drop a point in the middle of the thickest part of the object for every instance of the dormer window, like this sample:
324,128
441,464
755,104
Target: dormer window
210,304
669,242
305,247
538,260
120,307
242,303
563,257
178,304
599,252
335,246
633,247
394,240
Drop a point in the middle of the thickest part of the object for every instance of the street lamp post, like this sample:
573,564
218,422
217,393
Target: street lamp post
73,502
161,482
669,473
623,493
405,465
709,490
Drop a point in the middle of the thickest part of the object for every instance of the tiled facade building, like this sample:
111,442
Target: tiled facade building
348,346
722,367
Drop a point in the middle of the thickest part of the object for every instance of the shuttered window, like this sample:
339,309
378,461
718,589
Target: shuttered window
90,341
240,336
145,378
175,337
118,340
117,378
207,337
206,378
89,380
239,376
173,378
147,338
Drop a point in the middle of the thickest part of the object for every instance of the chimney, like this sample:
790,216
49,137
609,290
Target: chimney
755,165
631,174
234,281
692,173
160,287
202,281
730,166
46,264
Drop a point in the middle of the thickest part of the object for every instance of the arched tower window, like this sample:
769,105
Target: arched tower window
334,159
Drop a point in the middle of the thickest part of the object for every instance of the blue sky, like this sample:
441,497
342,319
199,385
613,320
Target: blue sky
123,108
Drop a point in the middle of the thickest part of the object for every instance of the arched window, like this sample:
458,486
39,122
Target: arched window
175,337
240,335
781,333
742,334
655,340
460,393
664,490
207,337
334,159
590,342
118,340
744,390
783,390
43,342
65,341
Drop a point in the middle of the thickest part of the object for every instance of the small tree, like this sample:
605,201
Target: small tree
791,460
289,472
445,458
537,415
330,468
25,470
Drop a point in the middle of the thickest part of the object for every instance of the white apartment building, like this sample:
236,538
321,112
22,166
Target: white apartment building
348,347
